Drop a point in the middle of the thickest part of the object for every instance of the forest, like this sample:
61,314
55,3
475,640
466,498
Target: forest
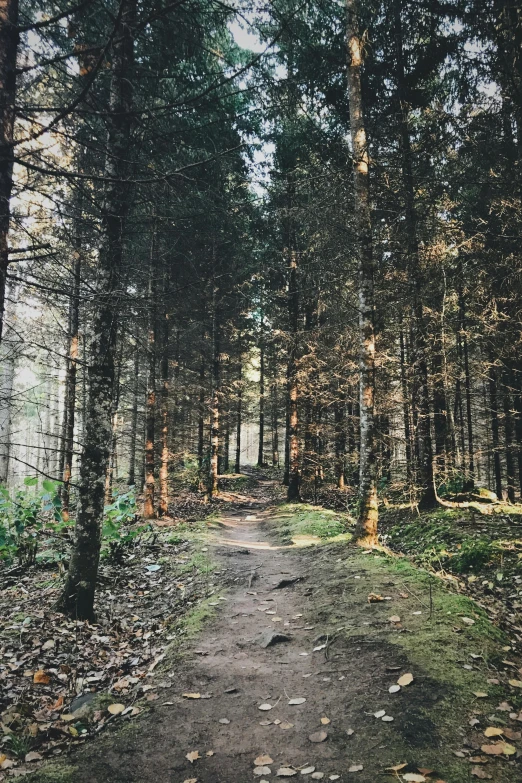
260,316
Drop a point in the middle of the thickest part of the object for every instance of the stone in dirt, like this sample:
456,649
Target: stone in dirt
270,638
291,580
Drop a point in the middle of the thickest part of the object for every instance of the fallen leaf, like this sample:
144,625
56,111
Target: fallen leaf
394,688
298,700
515,683
387,718
191,780
191,695
480,694
395,618
265,707
412,777
262,771
285,725
193,756
334,777
317,775
468,620
209,753
286,772
498,749
478,772
406,679
318,736
263,761
325,721
319,647
350,732
375,598
224,721
379,714
512,735
116,709
424,771
493,731
41,677
355,768
397,767
33,756
307,770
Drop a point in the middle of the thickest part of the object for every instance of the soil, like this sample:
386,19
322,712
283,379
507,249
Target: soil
345,680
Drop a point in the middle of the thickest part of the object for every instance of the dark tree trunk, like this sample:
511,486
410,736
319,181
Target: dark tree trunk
134,418
213,485
509,438
237,466
406,409
163,505
495,437
78,595
366,530
9,38
340,440
201,414
149,509
70,386
425,466
261,451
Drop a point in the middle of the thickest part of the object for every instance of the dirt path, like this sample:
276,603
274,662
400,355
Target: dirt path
343,684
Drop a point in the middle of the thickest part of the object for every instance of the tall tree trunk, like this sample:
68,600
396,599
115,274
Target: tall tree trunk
274,413
9,38
134,418
470,478
426,476
261,442
201,414
163,505
79,591
237,466
70,386
508,439
7,374
149,509
495,437
406,412
294,478
286,473
366,530
213,485
340,439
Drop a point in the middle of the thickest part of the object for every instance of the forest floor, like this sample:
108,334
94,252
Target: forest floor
381,671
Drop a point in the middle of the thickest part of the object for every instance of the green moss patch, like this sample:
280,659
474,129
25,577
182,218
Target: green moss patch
302,520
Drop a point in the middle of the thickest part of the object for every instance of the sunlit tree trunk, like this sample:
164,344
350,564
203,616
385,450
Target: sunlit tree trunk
9,38
79,590
213,486
366,530
261,441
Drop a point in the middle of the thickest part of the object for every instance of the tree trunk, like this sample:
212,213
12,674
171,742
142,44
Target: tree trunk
426,476
70,387
340,440
7,374
406,413
213,485
495,439
201,414
237,466
509,438
470,479
134,418
150,411
163,505
9,38
366,530
274,417
260,450
79,591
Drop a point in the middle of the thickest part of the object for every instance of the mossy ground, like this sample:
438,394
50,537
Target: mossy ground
301,521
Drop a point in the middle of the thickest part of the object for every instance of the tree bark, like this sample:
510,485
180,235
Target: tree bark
201,413
79,591
149,510
426,476
508,440
261,442
495,437
70,386
366,529
131,481
163,505
9,38
213,485
8,353
237,466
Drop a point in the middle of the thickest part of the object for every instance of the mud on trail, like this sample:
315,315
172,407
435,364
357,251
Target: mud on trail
336,657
